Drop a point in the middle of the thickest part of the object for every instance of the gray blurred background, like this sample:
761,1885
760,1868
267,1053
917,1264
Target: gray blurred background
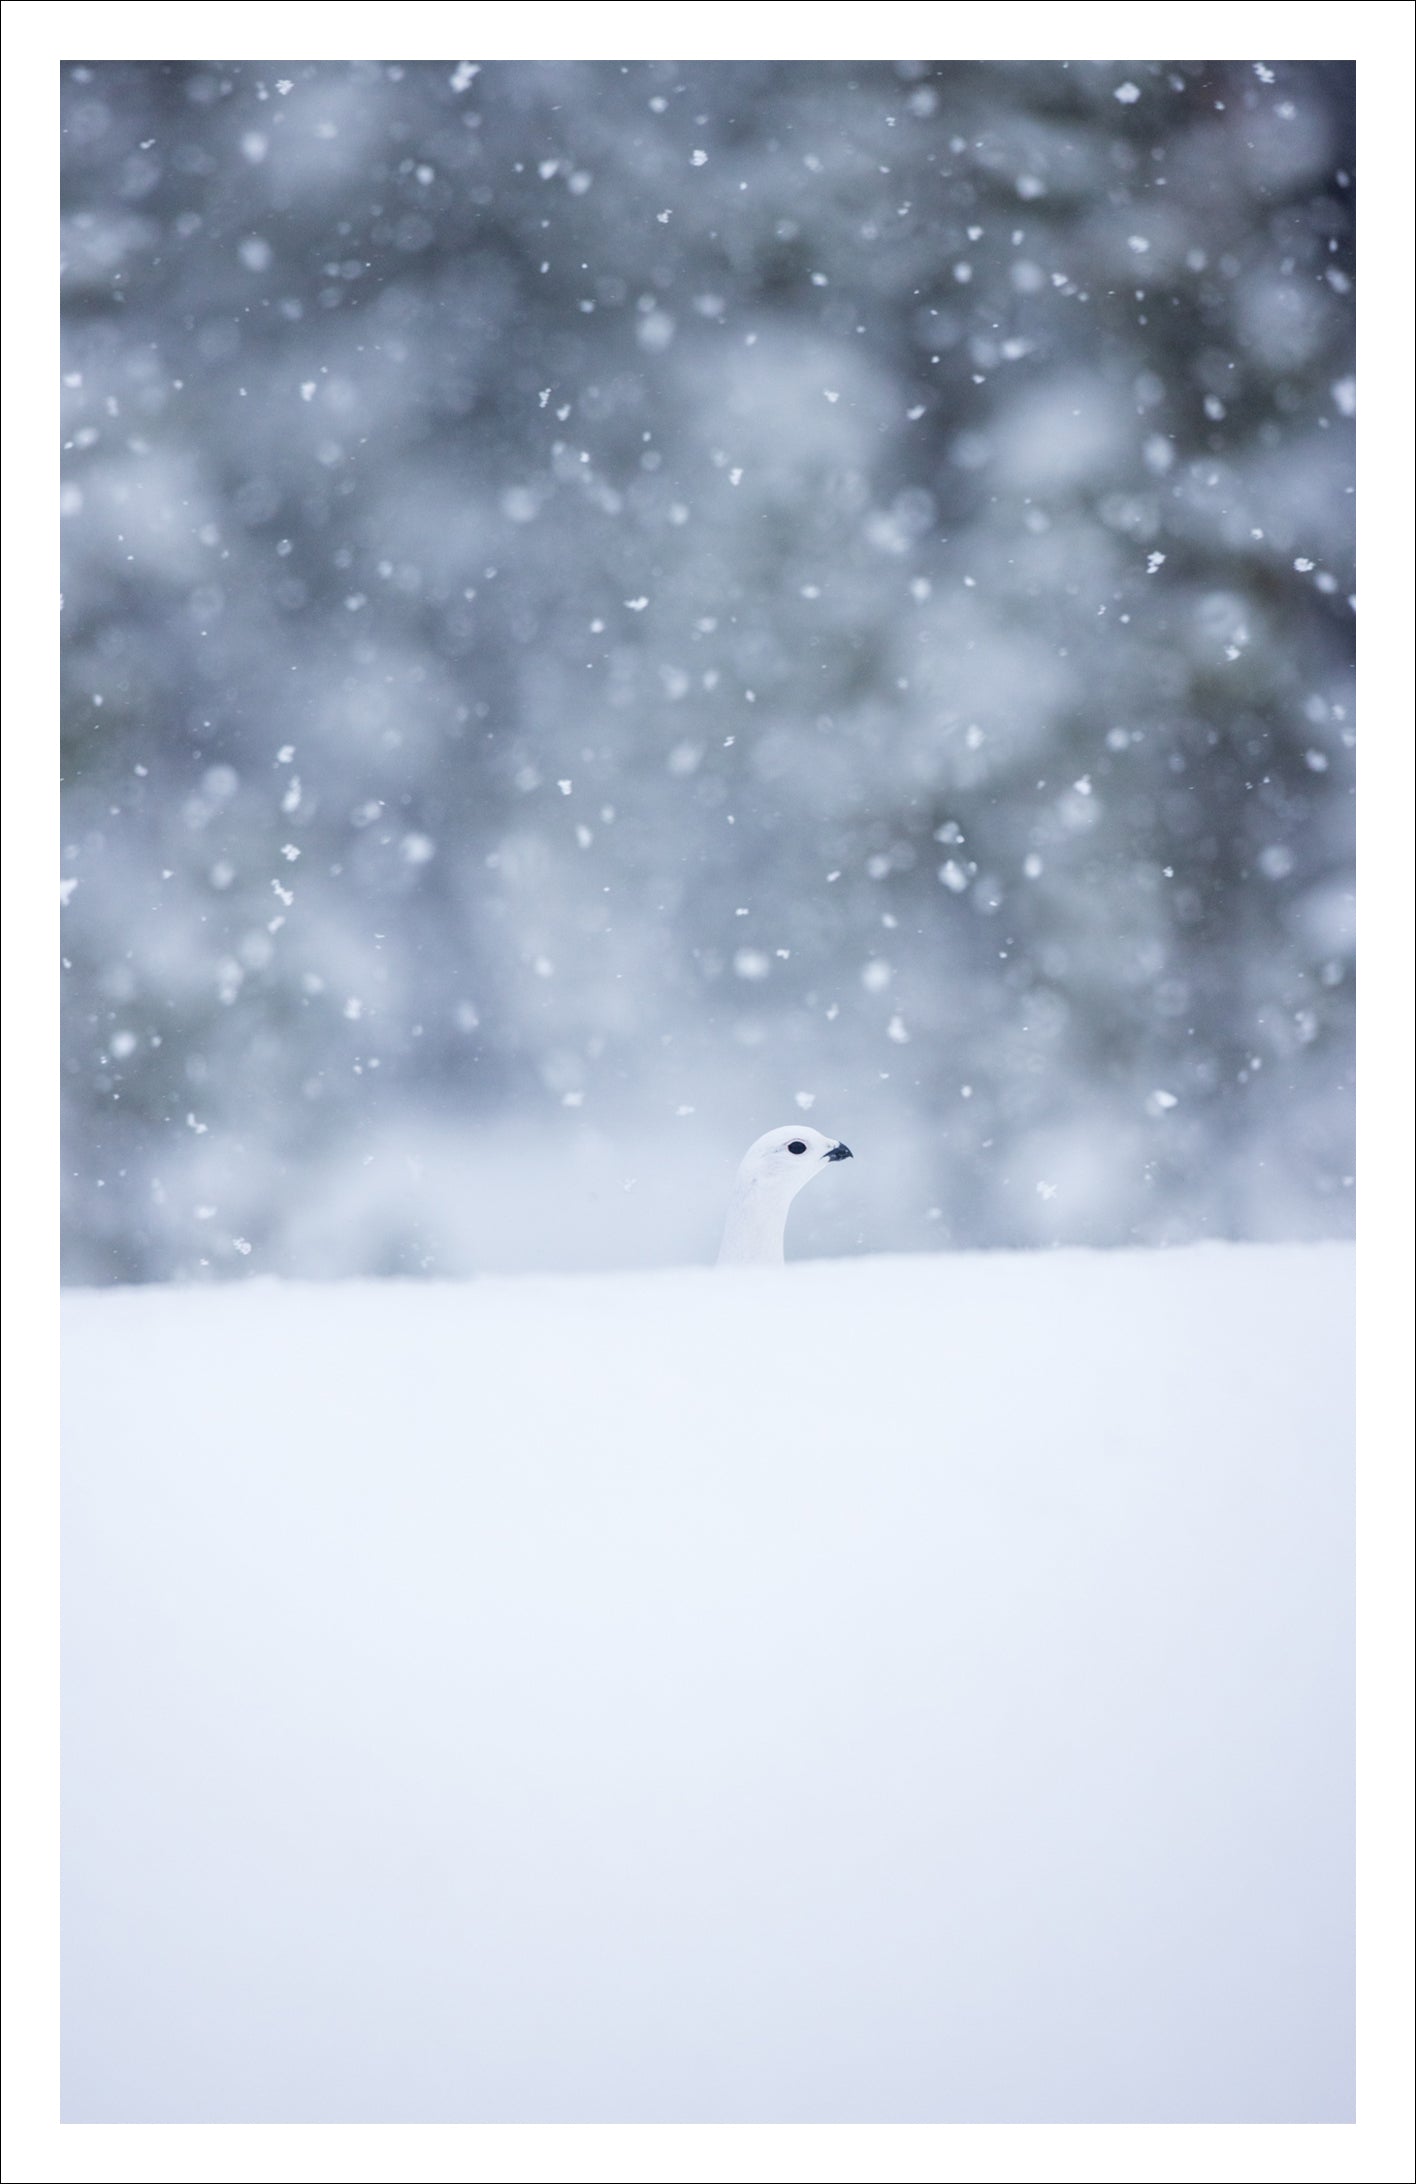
607,607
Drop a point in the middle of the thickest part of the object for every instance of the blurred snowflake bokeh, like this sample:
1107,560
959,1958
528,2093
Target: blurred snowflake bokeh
607,605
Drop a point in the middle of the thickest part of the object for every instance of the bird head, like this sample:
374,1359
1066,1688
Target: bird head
782,1161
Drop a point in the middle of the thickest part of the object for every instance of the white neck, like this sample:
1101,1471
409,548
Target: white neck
754,1232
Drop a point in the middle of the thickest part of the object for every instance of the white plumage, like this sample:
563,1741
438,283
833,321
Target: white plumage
773,1170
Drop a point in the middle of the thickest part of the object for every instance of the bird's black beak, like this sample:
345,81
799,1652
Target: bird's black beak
840,1152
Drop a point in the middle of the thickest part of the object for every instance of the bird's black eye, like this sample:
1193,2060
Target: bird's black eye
796,1146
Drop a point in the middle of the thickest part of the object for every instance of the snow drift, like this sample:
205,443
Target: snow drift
883,1690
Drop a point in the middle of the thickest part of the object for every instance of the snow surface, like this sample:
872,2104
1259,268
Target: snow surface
909,1689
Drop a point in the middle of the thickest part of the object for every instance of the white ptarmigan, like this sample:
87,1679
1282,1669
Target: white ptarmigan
773,1170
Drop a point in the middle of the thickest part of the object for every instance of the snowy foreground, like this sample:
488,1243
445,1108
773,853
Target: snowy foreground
884,1690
